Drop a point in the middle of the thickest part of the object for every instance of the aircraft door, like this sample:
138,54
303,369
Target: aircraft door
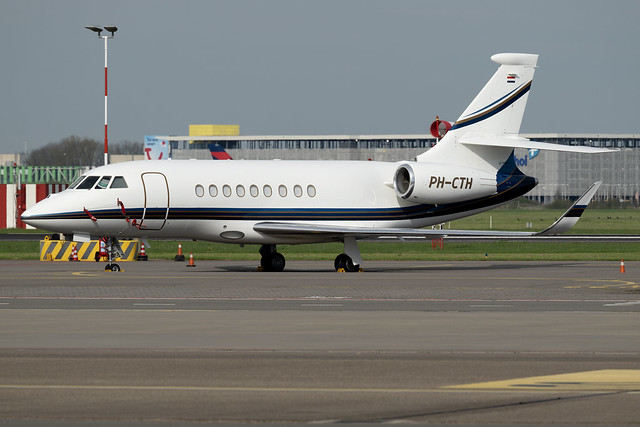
156,201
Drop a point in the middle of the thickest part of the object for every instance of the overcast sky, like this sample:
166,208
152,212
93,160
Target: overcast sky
307,67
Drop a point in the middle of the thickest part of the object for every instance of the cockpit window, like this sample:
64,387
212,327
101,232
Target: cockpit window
119,182
87,183
103,183
75,183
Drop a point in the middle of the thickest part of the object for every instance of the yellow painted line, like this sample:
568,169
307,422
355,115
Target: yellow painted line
602,380
606,380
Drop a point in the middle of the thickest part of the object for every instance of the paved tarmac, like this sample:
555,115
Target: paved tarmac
476,343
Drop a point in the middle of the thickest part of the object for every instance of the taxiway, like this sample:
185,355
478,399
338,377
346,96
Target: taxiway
463,342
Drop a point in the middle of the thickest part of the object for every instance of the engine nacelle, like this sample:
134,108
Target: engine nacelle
437,183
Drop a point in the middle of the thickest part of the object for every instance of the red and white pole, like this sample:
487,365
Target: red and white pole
106,138
99,30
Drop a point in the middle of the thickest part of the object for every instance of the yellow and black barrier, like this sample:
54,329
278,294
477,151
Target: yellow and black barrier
61,250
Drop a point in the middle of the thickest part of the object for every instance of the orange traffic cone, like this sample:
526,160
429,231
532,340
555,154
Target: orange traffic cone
142,256
622,266
191,263
74,254
180,256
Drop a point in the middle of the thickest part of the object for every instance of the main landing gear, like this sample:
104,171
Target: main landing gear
271,259
351,260
348,262
344,263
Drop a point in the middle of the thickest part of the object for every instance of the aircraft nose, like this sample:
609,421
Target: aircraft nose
35,215
28,215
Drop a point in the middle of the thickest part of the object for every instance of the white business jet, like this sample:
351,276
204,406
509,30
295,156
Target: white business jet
470,170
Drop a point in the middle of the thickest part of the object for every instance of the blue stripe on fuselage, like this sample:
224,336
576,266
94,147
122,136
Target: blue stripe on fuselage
511,184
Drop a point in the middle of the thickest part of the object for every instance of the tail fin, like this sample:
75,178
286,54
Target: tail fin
217,152
495,112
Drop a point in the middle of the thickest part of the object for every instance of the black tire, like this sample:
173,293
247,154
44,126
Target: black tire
350,267
341,262
345,262
265,263
277,262
115,267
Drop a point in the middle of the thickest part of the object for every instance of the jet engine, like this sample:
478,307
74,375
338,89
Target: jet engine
438,183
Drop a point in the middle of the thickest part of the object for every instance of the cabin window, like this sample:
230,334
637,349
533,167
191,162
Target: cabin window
266,190
311,191
119,182
199,190
282,190
253,190
297,191
75,183
213,190
87,183
226,190
103,183
240,190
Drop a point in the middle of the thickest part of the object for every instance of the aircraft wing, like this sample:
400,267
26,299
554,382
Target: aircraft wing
564,223
373,233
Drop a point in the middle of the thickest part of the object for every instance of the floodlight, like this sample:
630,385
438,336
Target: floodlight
95,29
111,30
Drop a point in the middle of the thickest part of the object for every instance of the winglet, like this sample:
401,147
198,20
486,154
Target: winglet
572,215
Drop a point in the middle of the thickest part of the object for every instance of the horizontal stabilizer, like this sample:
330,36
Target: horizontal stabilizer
519,142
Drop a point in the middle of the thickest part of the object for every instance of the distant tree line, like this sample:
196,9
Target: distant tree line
76,151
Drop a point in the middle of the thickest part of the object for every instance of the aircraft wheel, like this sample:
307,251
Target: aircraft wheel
107,267
277,262
273,262
340,262
115,267
345,262
350,267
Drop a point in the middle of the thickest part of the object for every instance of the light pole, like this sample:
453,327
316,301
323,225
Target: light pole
99,30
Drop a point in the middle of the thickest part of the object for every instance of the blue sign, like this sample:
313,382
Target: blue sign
533,152
523,161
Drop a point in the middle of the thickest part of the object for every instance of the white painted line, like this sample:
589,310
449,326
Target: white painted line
622,304
322,305
490,305
152,304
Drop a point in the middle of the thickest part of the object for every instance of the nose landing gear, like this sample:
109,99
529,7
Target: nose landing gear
112,247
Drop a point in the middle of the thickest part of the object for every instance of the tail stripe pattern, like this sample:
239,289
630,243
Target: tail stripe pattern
485,114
